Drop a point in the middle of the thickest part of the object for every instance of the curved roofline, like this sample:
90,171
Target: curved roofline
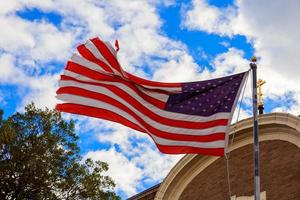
273,126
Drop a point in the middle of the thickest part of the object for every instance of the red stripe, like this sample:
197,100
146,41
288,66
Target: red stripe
101,46
85,52
108,115
96,112
163,120
187,149
99,76
79,69
157,90
85,71
142,81
136,84
150,128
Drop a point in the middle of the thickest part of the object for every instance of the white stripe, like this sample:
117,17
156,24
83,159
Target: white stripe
158,140
88,64
164,113
93,49
111,49
153,94
168,89
70,98
78,76
156,95
76,58
167,142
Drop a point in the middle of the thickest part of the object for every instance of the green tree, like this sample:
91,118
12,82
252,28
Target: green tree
39,159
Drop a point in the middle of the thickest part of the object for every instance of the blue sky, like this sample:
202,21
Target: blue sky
162,40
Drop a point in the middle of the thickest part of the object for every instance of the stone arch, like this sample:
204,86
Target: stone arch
272,127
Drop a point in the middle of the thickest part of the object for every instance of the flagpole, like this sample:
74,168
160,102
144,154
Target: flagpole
255,131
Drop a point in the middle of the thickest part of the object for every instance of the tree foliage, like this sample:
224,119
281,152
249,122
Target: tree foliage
39,159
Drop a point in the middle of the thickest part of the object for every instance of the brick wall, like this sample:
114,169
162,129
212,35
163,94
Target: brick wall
148,194
280,174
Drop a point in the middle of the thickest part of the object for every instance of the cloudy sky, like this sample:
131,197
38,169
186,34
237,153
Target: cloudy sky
162,40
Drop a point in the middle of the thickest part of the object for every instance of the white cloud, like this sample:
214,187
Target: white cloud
140,152
137,158
124,172
39,41
136,24
272,29
173,70
41,90
154,164
145,165
29,46
135,163
16,35
7,68
120,135
229,62
209,18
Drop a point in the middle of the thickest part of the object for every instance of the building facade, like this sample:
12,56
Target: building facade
198,177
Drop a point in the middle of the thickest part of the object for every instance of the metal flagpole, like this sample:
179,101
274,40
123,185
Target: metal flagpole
255,131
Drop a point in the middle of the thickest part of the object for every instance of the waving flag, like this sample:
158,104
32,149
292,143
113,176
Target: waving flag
190,117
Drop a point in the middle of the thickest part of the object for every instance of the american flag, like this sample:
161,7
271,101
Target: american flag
190,117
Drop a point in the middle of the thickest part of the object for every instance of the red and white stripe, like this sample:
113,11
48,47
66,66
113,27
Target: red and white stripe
94,84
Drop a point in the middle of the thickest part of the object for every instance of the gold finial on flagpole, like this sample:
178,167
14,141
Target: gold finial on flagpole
260,82
253,59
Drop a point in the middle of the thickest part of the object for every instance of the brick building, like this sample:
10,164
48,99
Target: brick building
198,177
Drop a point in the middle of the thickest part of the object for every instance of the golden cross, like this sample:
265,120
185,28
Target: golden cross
260,82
